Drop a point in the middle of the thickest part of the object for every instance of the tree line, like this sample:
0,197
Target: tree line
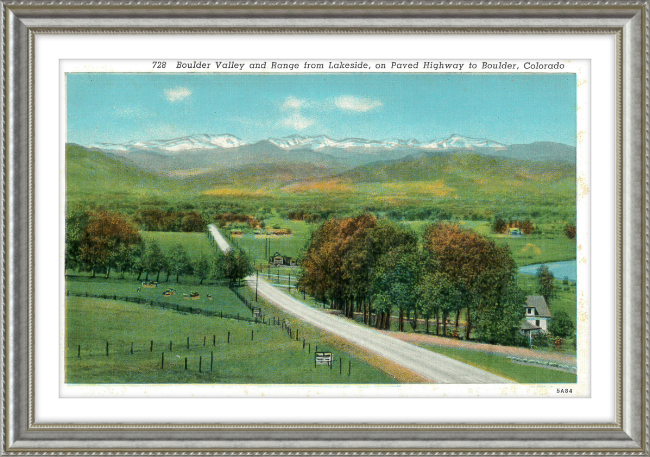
104,241
377,267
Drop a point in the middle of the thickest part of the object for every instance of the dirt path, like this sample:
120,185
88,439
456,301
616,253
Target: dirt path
524,353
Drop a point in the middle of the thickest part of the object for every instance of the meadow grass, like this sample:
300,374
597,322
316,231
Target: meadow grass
195,243
292,245
503,366
223,299
268,357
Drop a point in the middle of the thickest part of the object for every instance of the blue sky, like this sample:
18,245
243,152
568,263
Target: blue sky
513,108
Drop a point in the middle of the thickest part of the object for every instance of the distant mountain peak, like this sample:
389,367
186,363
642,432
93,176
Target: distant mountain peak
195,142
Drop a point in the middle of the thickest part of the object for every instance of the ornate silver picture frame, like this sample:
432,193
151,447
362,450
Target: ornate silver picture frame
626,21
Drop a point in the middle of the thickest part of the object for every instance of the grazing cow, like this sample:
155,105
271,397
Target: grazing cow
209,297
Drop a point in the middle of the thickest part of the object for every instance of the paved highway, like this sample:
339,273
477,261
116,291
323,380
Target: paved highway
428,364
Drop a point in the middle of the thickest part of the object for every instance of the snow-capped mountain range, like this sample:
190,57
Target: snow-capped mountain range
205,142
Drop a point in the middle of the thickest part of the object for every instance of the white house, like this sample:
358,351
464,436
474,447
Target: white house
538,316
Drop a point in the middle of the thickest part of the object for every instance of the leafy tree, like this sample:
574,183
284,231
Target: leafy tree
202,268
499,226
527,227
437,294
154,260
340,258
394,283
570,231
75,225
179,262
500,320
217,269
479,270
193,222
545,282
105,235
237,266
562,325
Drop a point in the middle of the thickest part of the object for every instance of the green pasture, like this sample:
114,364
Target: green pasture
288,245
223,299
265,356
503,366
196,244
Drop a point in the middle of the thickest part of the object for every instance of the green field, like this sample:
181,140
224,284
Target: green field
287,245
503,366
270,357
223,299
196,244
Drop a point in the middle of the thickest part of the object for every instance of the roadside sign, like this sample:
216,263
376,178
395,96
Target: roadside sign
256,311
324,358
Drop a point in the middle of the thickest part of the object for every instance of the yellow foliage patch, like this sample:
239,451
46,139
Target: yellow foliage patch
435,188
530,246
232,192
333,185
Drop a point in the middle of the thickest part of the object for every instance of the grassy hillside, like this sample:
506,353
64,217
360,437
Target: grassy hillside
91,174
462,185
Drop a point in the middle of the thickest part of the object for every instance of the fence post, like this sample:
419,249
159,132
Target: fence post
211,360
309,349
204,341
228,337
188,342
340,365
214,340
252,335
162,363
199,364
170,346
297,335
79,352
131,347
151,348
349,367
107,349
303,343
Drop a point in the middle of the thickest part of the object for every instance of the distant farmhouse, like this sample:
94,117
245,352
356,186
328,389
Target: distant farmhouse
279,259
538,316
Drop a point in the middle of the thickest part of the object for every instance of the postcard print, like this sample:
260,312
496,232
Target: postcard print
392,227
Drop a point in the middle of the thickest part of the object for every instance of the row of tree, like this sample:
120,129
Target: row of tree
377,267
155,219
105,241
501,226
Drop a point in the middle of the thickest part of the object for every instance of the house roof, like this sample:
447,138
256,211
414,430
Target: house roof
526,325
539,303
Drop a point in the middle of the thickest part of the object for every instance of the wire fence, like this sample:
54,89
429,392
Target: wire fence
176,307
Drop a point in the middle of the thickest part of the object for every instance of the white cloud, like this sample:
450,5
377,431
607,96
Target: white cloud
297,121
177,94
293,103
352,103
